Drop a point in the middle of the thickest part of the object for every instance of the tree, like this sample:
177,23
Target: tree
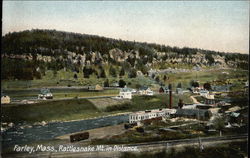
87,71
153,76
157,79
210,58
103,74
164,77
106,83
132,73
75,76
179,85
194,83
207,86
219,124
122,72
122,83
180,103
112,71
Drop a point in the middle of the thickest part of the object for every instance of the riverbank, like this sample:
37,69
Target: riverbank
98,133
78,109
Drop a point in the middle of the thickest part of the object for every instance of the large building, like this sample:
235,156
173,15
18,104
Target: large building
125,93
193,113
145,91
149,114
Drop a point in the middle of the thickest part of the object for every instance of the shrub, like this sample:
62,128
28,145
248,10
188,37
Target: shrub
118,107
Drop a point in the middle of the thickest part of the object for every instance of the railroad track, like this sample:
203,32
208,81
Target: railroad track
192,140
149,146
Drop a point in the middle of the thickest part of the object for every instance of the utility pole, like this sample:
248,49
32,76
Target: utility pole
170,96
200,144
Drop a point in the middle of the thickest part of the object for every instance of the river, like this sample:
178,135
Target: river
20,135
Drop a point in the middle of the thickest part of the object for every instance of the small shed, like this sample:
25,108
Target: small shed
163,89
96,88
5,99
179,91
115,84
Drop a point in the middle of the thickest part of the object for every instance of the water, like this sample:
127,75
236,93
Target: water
18,135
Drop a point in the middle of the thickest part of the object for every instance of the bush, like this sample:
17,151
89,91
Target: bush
117,107
122,83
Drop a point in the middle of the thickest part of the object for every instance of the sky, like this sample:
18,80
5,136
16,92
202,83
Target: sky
214,25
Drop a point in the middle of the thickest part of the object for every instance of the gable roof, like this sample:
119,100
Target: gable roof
126,90
143,88
45,91
191,112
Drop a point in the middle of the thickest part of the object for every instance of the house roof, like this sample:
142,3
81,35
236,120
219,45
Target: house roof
126,90
144,88
221,87
191,112
234,114
163,87
172,111
5,96
45,91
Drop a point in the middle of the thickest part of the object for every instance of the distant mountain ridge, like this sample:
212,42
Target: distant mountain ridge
39,50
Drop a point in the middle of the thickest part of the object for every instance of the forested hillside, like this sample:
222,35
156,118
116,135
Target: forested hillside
29,54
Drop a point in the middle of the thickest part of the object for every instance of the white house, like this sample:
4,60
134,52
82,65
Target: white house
149,114
196,90
196,106
204,93
125,93
207,94
145,91
45,94
5,99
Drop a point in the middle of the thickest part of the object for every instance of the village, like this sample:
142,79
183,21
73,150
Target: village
209,113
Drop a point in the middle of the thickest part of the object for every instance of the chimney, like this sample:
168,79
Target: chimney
170,96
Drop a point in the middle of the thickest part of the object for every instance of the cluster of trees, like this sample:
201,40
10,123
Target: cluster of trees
121,83
30,40
12,69
58,43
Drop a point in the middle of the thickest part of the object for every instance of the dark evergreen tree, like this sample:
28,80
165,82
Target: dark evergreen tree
179,85
207,86
75,76
122,83
112,71
106,83
122,72
164,77
103,74
132,73
157,79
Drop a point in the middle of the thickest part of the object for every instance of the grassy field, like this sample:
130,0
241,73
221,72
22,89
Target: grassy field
65,78
62,93
65,110
50,110
205,76
156,101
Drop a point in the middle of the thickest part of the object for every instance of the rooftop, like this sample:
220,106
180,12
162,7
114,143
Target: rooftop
126,89
154,111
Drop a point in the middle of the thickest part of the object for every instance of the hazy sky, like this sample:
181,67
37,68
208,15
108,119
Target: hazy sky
222,25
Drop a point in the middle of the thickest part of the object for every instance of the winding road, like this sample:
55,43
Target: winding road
194,100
